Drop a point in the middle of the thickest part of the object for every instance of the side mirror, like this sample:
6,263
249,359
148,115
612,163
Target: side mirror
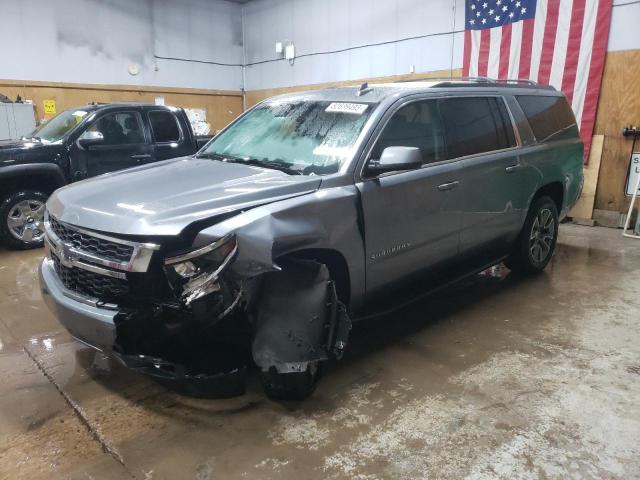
89,139
397,158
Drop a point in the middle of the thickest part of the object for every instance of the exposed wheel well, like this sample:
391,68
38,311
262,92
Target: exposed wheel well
41,182
337,266
554,190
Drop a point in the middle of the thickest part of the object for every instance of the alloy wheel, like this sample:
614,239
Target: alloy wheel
26,221
542,234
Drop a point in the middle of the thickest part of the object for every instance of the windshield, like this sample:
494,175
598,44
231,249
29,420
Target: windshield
59,126
301,136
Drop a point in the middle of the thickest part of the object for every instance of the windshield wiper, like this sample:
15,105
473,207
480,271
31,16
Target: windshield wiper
265,162
283,167
211,156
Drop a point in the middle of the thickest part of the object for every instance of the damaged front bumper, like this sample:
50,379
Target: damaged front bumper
95,324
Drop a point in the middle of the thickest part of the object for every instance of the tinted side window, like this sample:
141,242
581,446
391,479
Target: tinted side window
120,128
476,125
417,124
550,118
164,126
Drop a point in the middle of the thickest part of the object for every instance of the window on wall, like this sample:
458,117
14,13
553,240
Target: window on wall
417,124
164,126
551,118
476,125
120,128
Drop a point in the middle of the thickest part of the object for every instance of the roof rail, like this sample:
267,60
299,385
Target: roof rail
480,81
447,79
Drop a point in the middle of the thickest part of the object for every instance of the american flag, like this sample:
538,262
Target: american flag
553,42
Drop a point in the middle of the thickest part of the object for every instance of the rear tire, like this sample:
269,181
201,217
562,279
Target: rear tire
537,241
294,386
22,219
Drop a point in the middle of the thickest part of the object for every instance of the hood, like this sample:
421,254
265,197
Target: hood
17,149
165,197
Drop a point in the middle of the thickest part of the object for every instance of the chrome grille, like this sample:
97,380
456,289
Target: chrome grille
103,248
89,283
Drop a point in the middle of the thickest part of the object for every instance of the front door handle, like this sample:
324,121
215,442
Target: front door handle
513,168
448,186
141,156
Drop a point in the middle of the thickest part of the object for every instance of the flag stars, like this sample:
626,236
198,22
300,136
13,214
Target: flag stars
491,11
484,20
485,5
511,15
518,4
497,19
523,11
499,2
504,9
472,21
477,14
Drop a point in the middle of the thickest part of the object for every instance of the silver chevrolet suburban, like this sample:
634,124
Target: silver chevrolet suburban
300,217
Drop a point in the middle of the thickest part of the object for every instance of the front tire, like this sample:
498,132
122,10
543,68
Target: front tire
22,219
537,240
295,386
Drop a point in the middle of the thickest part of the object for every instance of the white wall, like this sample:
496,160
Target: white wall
317,26
94,41
625,26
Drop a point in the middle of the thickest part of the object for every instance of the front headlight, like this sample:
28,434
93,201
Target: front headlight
196,273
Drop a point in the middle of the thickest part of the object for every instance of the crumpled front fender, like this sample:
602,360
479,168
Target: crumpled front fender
326,219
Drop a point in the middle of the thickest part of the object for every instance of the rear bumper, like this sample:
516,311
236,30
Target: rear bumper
88,323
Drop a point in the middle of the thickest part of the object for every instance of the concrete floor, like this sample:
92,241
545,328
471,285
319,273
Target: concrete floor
498,377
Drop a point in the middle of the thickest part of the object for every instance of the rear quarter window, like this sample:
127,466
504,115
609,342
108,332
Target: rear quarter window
164,126
551,118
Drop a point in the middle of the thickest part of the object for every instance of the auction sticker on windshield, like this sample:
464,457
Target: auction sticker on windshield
354,108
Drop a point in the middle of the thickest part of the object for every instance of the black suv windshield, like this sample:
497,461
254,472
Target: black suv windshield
59,126
303,136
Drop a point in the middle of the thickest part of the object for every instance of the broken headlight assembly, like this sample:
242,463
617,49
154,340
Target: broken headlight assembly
196,274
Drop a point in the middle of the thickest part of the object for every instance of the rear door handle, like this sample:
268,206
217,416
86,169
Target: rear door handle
142,156
513,168
448,186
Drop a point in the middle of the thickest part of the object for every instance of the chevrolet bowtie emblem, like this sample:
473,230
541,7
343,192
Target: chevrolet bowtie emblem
66,255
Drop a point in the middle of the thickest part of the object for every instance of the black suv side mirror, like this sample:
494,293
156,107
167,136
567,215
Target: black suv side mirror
396,158
89,139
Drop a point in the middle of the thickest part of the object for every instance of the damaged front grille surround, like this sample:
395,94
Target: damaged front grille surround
97,255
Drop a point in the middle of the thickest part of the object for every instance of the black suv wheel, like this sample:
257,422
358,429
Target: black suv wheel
537,240
22,219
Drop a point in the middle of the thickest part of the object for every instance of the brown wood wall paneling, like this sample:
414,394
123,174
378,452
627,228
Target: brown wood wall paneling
619,106
221,106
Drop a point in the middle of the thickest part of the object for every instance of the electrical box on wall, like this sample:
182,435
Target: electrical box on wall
290,52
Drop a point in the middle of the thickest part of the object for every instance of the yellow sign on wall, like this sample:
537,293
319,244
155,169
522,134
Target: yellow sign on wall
49,107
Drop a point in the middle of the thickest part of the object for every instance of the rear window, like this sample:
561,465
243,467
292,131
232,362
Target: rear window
476,125
164,126
550,118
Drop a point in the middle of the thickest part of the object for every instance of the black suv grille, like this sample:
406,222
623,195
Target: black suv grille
89,283
103,248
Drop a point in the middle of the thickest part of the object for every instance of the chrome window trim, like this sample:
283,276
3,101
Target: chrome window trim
138,263
362,177
85,300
